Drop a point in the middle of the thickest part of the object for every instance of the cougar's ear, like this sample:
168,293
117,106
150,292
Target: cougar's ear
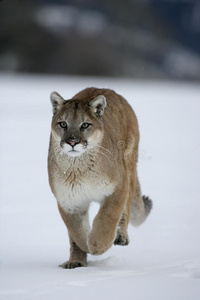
56,101
98,104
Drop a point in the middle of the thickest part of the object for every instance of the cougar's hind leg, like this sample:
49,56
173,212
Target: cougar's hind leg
141,206
78,258
122,237
130,158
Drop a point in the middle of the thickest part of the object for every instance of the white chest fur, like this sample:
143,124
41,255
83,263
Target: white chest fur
75,191
78,197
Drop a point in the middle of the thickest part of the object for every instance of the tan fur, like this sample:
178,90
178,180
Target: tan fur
105,171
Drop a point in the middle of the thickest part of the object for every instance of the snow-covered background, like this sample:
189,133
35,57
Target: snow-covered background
163,258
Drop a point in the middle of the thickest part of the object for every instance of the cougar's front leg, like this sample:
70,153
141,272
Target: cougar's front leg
105,223
78,227
78,258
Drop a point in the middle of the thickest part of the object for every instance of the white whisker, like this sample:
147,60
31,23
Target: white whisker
104,149
100,153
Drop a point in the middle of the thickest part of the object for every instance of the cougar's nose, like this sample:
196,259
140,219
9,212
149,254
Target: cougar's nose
73,141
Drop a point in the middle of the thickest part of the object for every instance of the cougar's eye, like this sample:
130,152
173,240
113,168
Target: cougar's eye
63,124
85,125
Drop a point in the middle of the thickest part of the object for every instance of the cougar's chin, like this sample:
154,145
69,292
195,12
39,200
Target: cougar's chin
74,153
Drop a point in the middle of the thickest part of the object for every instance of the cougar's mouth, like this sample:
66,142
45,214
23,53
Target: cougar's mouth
73,149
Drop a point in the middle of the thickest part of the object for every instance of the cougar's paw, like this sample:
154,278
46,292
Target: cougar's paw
72,265
97,246
121,239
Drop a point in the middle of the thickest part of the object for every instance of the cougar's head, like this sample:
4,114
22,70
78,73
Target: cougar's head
77,124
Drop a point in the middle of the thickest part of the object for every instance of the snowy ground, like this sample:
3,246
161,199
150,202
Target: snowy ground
163,258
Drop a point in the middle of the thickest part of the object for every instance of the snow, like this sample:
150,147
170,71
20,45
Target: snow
163,259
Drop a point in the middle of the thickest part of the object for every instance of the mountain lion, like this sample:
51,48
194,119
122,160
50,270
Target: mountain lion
93,157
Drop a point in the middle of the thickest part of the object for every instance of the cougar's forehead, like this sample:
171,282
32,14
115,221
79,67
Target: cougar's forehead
73,111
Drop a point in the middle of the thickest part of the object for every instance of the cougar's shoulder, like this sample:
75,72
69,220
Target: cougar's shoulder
120,121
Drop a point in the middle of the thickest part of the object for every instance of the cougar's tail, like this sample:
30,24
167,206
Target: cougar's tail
141,206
